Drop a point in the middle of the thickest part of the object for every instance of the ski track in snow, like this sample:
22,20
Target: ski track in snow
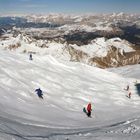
67,88
125,128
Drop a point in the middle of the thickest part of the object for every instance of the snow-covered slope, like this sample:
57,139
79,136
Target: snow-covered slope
67,88
128,71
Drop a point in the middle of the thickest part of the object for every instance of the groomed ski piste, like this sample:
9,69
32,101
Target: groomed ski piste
67,88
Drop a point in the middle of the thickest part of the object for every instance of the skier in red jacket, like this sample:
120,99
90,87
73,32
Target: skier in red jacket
89,110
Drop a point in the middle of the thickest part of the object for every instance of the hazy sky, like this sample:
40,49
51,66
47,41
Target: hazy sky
69,6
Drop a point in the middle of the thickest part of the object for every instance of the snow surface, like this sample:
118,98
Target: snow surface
67,88
128,71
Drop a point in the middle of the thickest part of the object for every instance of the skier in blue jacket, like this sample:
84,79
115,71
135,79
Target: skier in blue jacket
39,93
30,57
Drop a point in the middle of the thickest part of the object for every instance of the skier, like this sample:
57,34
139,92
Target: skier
89,110
127,88
129,95
39,93
30,57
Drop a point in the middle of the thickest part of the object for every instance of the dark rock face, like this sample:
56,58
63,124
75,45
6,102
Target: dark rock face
80,38
131,34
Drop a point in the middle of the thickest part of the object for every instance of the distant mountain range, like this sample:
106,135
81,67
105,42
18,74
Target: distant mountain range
105,40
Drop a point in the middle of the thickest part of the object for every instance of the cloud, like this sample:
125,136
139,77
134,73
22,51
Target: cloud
35,6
